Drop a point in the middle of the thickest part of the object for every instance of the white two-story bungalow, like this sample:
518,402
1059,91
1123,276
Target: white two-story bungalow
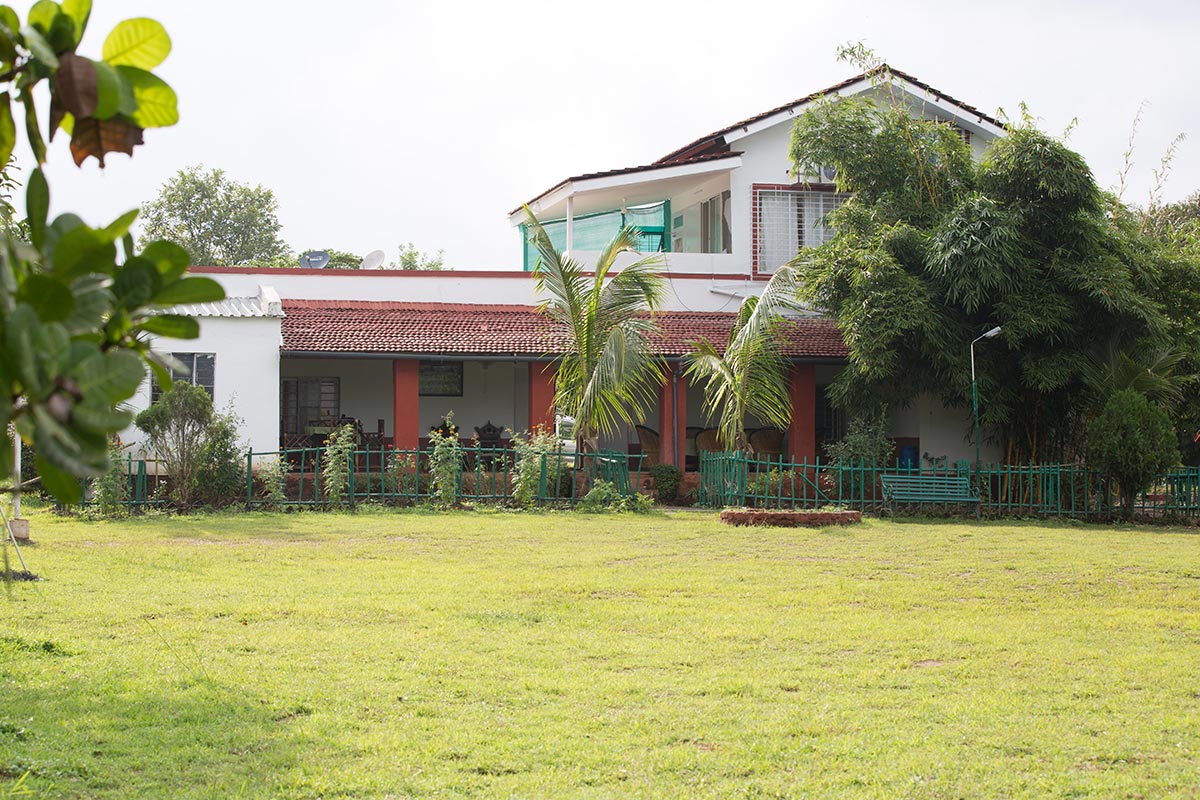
293,351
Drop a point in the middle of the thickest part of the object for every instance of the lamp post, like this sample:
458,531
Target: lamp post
975,392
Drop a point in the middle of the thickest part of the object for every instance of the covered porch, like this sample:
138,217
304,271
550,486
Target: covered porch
396,370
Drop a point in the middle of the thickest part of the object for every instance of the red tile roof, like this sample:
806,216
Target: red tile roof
464,329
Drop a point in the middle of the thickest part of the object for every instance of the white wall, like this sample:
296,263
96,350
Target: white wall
245,374
942,431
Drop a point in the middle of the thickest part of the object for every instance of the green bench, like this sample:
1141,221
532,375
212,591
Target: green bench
917,488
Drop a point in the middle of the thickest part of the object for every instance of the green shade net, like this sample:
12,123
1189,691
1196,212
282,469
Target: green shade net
594,231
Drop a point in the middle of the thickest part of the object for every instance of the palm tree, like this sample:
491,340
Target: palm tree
750,377
608,375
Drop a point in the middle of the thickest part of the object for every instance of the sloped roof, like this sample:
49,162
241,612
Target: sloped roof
465,329
713,146
230,307
714,143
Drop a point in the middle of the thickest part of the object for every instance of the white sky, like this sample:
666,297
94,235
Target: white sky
379,123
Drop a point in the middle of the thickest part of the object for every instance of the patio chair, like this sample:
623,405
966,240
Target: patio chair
767,441
706,440
648,439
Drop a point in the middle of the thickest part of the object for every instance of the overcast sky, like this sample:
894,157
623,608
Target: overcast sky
379,123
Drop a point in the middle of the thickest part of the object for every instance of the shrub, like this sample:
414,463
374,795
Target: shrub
532,450
866,443
220,478
771,484
667,478
445,460
273,475
335,465
110,491
1132,441
604,497
176,427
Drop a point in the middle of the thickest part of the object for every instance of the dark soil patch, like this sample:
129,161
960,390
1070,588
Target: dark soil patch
789,519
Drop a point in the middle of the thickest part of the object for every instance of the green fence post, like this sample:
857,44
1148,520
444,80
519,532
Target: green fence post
249,478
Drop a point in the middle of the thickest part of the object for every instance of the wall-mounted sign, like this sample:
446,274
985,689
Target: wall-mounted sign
441,378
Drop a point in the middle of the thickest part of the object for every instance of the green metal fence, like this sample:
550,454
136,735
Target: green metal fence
483,475
142,481
1040,490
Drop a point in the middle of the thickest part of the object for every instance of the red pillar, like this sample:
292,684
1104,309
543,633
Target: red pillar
666,418
541,395
680,419
406,404
802,433
672,418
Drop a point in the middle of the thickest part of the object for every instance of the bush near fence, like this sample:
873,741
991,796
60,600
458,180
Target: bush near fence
737,480
485,475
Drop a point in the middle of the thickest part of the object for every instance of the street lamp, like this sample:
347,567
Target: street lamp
975,392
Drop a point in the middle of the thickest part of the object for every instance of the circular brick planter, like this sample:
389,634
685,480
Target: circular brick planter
789,519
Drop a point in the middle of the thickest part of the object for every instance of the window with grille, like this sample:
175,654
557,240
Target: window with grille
306,402
790,220
199,369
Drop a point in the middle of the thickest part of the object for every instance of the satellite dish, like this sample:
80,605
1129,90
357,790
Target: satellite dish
373,260
314,259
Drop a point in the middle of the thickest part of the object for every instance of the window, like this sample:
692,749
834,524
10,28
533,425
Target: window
198,369
714,224
307,402
789,220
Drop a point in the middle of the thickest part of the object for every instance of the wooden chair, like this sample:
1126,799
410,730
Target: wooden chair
488,436
648,439
767,441
706,440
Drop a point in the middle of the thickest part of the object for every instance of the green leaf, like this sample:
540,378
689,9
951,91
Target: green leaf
82,250
8,46
92,301
36,43
32,129
137,283
9,19
18,342
109,91
139,42
171,259
8,128
79,11
157,105
42,15
99,418
175,326
161,365
110,378
37,206
190,290
64,486
120,226
48,296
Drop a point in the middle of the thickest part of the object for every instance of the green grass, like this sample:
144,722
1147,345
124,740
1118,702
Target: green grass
549,655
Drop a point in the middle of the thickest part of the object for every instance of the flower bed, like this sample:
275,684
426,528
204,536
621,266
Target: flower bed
789,519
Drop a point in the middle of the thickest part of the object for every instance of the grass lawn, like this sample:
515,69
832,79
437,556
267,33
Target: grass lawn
386,654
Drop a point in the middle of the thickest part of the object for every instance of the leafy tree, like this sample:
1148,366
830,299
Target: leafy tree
1131,440
219,221
76,302
177,427
412,258
608,375
932,250
750,376
341,259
